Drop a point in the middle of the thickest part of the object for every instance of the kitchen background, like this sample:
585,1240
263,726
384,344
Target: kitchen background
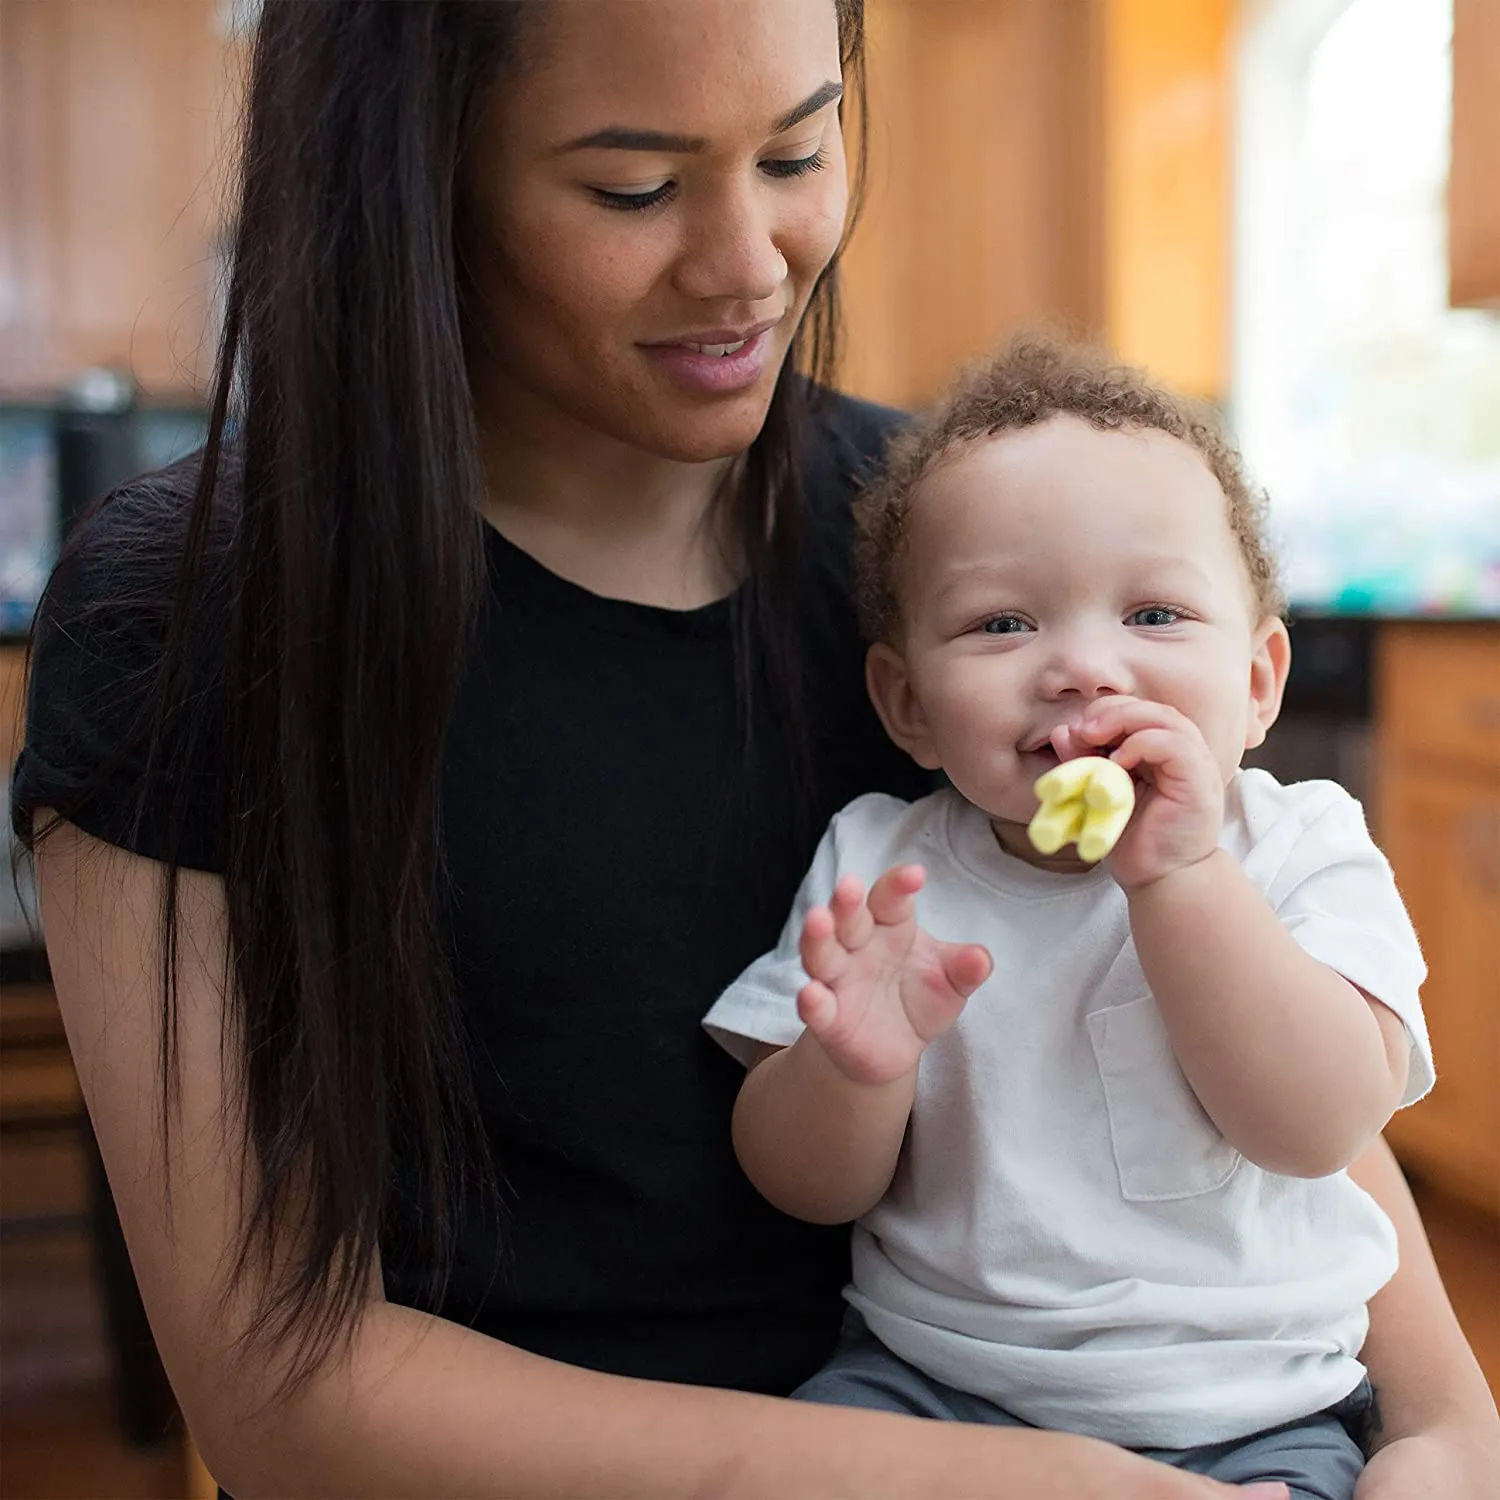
1288,207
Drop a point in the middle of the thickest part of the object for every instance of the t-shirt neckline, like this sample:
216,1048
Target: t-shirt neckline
975,847
514,568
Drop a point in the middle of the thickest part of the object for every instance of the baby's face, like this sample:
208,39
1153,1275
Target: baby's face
1049,567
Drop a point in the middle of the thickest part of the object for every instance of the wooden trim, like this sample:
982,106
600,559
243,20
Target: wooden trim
12,704
1168,188
985,207
1474,177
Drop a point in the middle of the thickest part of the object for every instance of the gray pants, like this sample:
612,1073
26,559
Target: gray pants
1317,1458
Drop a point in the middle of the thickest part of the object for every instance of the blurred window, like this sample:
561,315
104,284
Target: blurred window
1368,407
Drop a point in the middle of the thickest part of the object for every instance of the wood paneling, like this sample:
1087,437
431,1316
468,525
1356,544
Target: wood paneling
1438,818
1474,177
1168,187
984,210
12,704
1044,162
1443,838
1440,694
113,117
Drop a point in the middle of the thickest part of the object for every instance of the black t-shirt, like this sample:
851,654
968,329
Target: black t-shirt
616,856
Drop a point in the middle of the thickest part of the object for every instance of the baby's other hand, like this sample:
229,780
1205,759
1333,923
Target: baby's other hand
1179,809
879,988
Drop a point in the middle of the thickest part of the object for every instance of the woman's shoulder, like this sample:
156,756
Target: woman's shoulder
107,607
854,424
97,644
847,439
121,563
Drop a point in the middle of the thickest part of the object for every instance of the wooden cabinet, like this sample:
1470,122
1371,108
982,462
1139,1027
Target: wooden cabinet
1043,162
1168,85
984,205
1437,814
1474,176
114,115
12,703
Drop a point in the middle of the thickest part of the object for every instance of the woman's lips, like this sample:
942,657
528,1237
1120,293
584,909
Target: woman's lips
698,366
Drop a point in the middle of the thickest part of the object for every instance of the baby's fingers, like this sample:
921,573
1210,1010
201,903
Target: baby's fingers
823,954
818,1006
852,923
966,966
893,898
1165,755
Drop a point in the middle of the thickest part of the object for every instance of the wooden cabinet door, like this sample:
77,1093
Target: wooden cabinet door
1474,176
1442,834
984,209
115,118
1042,162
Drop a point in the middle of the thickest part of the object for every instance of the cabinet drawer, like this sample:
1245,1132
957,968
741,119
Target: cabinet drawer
1442,833
1438,692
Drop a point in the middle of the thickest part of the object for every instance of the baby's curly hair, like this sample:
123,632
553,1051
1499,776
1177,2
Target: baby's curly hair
1036,377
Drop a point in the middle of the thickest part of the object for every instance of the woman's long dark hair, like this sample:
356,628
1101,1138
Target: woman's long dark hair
336,519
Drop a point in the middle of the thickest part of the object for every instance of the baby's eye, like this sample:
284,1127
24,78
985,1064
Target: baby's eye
1155,614
1005,625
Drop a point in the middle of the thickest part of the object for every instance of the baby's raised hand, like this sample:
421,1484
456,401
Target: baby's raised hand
1179,809
879,988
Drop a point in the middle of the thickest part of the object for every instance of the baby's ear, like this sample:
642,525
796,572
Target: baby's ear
895,699
1270,661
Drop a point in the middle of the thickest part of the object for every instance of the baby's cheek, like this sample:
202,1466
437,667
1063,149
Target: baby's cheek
1225,735
977,729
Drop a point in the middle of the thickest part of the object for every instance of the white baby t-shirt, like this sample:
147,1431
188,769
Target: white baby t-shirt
1067,1234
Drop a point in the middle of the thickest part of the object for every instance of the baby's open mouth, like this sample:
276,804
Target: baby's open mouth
1045,754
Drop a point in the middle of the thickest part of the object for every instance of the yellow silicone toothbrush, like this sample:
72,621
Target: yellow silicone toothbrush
1088,802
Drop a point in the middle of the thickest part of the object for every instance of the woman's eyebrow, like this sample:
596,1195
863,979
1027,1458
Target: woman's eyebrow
820,97
623,138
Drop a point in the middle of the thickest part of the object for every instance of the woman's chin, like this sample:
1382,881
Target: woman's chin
700,434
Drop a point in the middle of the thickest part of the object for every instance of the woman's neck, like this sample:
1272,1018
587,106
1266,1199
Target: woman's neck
603,514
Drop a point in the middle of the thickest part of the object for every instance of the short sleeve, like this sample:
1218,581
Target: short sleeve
761,1005
96,649
1336,895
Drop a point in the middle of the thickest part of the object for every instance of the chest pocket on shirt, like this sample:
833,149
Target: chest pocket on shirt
1165,1144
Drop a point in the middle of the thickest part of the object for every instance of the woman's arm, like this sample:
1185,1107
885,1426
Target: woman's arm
1437,1432
416,1405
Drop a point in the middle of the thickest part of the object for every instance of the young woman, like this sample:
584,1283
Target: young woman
408,773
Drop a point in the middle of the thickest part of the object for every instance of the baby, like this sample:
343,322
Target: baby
1097,1163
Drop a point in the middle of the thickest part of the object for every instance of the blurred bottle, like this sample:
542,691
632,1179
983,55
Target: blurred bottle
96,440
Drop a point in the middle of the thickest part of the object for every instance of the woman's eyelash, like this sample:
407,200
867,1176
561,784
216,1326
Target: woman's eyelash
782,170
634,202
798,166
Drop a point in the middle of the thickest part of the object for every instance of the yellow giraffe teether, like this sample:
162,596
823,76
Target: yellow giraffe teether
1088,802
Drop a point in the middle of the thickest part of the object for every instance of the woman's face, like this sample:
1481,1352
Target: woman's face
654,194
